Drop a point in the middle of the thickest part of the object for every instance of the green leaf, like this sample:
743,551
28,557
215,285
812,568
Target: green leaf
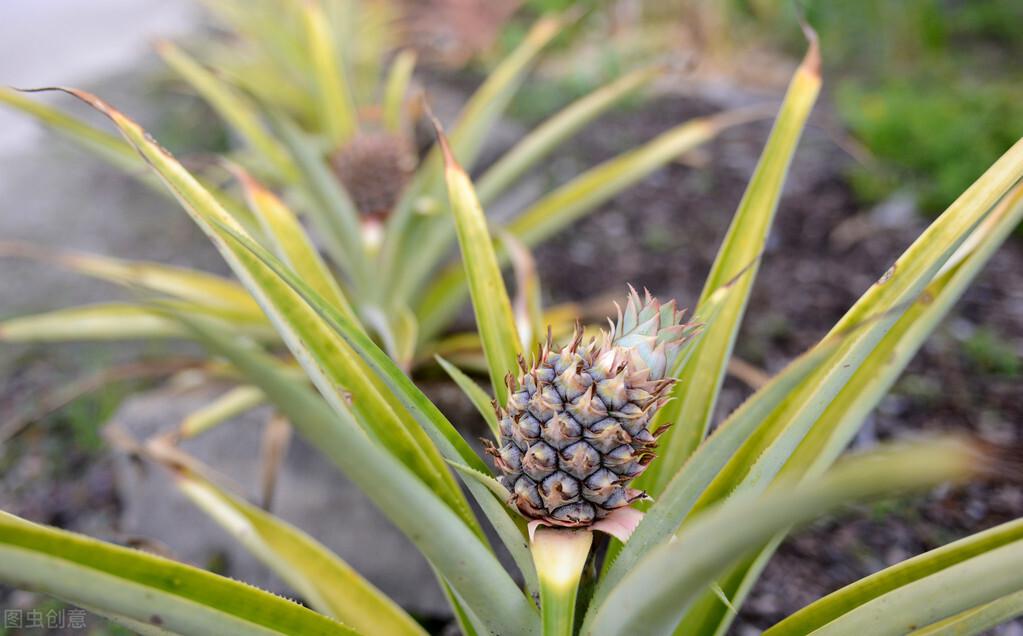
494,318
396,330
443,298
441,535
978,619
108,147
479,398
410,252
109,321
510,527
328,360
155,592
553,132
440,430
804,435
699,382
234,402
395,88
960,587
491,99
325,581
528,302
653,595
578,197
865,590
232,107
331,210
192,285
845,414
338,115
290,242
839,422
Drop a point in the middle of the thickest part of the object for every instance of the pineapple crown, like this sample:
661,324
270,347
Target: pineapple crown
651,332
574,431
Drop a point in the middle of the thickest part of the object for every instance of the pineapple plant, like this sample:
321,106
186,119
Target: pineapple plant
681,561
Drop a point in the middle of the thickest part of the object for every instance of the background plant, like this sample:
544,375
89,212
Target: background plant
721,503
300,85
929,90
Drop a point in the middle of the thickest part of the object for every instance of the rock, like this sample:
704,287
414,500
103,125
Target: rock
311,493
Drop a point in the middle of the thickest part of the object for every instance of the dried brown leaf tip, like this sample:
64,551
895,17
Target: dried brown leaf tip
120,119
575,432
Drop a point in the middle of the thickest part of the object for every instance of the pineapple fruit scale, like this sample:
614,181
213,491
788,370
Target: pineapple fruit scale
575,432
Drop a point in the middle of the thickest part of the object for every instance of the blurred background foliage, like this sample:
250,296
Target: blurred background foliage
930,89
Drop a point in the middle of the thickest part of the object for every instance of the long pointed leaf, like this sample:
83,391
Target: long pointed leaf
512,529
960,587
181,282
563,125
833,408
109,321
110,148
695,394
290,241
159,593
231,404
479,398
328,360
447,542
330,585
231,106
398,254
978,619
490,302
332,212
865,590
338,115
433,422
570,202
653,595
398,78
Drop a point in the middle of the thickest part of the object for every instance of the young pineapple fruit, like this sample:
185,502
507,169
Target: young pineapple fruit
575,430
375,167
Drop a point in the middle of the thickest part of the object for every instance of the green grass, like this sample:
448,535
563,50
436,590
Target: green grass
991,353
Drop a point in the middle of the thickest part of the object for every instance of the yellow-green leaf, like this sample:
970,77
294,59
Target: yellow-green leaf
322,578
494,318
145,590
554,131
108,321
700,379
234,108
398,78
655,593
865,590
192,285
338,114
231,404
290,241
